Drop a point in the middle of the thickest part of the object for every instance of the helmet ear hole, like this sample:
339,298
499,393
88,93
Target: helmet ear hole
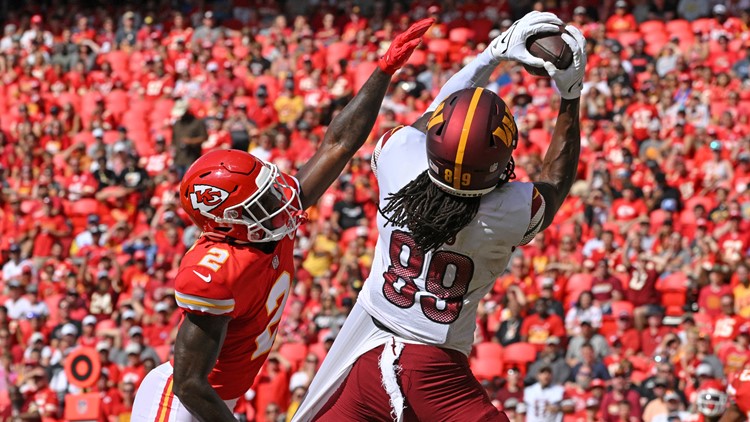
440,130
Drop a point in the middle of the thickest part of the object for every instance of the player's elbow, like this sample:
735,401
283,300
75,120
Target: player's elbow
188,389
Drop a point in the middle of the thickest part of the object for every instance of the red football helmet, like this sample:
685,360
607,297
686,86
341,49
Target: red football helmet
470,139
711,400
235,194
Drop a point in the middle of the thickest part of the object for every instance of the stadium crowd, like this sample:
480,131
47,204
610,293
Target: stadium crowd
633,300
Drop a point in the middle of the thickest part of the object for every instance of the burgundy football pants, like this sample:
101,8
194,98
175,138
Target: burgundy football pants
437,385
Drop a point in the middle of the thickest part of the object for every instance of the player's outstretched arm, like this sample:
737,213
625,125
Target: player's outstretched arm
561,161
349,130
196,349
510,45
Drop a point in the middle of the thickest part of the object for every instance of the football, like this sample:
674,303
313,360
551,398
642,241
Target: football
550,47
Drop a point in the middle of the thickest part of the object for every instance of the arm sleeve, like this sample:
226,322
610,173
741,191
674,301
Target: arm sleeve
476,73
537,217
196,295
379,147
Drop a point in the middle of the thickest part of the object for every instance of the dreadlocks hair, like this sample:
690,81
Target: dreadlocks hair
433,216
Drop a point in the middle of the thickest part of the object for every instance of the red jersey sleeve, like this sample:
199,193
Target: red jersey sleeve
202,291
741,387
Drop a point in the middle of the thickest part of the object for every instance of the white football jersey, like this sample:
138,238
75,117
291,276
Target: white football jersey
432,298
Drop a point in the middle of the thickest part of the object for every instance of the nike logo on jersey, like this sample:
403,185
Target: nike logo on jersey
205,278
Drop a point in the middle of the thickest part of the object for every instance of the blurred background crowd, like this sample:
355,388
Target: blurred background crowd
637,297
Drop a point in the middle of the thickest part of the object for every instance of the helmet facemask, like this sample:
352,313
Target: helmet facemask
711,402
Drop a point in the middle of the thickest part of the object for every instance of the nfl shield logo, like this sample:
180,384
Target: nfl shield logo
82,406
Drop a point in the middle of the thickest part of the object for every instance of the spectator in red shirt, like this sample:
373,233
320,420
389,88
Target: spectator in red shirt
628,336
605,287
709,299
727,324
621,391
621,21
541,325
133,371
123,407
643,271
653,334
159,332
40,402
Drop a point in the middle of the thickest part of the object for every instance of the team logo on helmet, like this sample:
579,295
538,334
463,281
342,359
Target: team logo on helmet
507,130
206,197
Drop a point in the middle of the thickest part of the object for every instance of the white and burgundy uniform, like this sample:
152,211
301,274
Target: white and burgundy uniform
420,301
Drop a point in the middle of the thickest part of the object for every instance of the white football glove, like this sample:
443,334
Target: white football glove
570,81
511,44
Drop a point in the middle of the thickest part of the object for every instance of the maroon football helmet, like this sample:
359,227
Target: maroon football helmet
470,139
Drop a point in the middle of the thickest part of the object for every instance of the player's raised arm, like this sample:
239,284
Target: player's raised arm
349,130
560,164
197,347
510,45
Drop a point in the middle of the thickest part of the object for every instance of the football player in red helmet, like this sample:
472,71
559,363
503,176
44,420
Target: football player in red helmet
234,281
450,218
711,402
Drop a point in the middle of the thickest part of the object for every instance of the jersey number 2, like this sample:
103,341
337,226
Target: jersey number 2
447,280
274,306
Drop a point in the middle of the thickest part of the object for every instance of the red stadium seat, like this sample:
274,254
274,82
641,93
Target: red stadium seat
673,288
649,27
622,306
337,51
117,102
111,136
52,303
118,59
488,350
577,283
677,25
362,74
460,35
705,201
487,369
440,47
641,363
609,327
164,352
657,38
637,377
520,355
295,353
86,137
106,324
319,350
69,98
704,322
418,58
703,25
541,138
628,38
482,28
142,143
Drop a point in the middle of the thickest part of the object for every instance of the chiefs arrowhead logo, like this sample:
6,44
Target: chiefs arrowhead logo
206,197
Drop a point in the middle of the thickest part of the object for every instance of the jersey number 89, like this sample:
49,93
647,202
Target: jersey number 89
446,282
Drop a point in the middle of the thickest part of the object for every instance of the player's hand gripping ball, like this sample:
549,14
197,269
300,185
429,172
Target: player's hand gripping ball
550,47
511,44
